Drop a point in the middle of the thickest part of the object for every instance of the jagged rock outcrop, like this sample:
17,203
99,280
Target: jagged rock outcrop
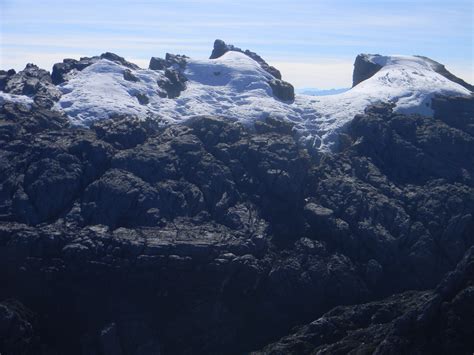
173,83
282,90
363,69
118,59
213,217
438,321
60,70
220,48
33,82
157,64
171,61
129,76
5,75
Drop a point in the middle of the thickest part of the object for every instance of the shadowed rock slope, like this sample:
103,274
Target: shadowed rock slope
210,237
414,322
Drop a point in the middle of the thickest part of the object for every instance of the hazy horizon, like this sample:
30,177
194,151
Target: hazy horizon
313,43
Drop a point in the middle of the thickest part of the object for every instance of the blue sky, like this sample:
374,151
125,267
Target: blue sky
313,42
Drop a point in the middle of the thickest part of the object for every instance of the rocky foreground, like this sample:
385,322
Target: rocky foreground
215,238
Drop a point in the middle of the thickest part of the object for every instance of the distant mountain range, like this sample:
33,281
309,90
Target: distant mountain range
321,92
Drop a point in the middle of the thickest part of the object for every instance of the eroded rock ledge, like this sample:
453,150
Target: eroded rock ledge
135,236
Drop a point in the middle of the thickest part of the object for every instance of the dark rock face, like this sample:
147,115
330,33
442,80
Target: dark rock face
142,99
176,59
422,322
228,236
456,112
157,63
118,59
128,75
5,76
282,90
220,48
173,83
363,69
60,70
171,61
31,81
16,329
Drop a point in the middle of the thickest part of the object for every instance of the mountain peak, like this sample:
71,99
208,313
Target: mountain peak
367,65
220,48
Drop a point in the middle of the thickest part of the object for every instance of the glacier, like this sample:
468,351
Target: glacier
236,86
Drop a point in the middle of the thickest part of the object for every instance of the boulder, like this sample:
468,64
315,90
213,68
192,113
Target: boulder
282,90
173,83
129,76
220,48
5,77
157,63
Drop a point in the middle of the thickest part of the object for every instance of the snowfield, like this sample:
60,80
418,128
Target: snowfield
235,86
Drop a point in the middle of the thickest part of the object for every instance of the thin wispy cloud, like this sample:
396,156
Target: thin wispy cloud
302,33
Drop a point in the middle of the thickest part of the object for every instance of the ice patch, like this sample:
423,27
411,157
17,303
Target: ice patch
18,99
235,86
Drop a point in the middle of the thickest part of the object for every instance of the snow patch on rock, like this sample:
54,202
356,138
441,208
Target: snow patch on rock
17,99
235,86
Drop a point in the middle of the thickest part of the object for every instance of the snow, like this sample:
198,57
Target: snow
100,90
235,86
18,99
409,82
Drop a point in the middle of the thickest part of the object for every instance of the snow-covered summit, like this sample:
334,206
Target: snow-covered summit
409,82
237,86
232,85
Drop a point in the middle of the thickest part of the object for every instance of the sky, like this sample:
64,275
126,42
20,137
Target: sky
312,42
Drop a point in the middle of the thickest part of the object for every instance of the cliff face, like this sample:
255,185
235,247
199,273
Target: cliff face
423,322
363,69
222,234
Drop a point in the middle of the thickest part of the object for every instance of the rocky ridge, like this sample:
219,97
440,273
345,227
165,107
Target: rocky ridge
229,235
